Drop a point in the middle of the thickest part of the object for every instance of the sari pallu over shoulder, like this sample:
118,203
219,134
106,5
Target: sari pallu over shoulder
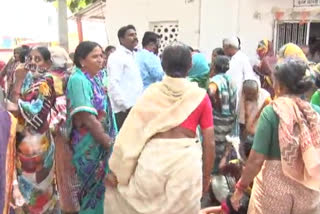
36,148
163,106
86,94
299,141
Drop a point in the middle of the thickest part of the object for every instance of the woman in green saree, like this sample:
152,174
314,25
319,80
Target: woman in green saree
90,122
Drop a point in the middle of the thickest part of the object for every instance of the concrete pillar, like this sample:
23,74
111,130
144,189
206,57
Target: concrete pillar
63,24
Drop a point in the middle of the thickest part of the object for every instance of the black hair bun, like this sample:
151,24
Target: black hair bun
304,85
293,74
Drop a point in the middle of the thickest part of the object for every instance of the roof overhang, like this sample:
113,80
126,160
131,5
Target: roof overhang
95,11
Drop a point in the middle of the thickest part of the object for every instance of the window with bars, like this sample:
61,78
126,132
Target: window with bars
291,32
306,3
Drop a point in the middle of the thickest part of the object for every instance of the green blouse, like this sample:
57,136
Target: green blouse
266,139
315,99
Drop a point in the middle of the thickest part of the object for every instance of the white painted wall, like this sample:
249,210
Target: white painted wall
251,20
236,17
141,12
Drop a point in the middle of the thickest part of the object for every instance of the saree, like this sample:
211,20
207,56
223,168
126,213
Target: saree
267,65
293,51
299,141
224,113
66,178
7,159
167,179
274,192
136,154
85,93
35,146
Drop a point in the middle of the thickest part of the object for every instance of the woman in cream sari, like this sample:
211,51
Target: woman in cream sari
157,164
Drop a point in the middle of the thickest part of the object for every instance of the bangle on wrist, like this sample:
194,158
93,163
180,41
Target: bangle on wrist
240,186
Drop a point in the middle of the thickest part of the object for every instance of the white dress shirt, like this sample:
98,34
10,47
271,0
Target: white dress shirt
125,83
241,69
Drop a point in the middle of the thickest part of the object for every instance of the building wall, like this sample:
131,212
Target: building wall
250,20
141,13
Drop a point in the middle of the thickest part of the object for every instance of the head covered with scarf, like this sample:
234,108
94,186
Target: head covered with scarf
199,71
265,48
291,50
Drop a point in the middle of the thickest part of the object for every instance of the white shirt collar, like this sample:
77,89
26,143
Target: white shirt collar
126,50
237,54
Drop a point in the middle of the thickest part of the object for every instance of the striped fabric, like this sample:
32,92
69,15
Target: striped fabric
223,126
224,117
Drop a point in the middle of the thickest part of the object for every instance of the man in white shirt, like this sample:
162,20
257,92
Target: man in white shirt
125,83
240,67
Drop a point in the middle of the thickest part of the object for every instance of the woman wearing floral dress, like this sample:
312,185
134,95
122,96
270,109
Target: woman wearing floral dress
34,189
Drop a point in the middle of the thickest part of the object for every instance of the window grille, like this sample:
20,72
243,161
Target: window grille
291,32
168,32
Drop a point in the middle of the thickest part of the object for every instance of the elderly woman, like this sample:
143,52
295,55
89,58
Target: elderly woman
34,188
292,50
90,122
268,61
223,94
157,159
285,155
216,52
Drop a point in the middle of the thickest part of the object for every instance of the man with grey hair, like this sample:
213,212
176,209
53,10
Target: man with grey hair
240,67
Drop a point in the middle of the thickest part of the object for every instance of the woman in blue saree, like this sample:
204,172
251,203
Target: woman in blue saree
91,125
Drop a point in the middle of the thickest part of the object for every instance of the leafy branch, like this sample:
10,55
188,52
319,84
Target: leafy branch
75,5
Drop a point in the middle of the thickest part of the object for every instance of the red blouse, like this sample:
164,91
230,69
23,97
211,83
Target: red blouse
202,116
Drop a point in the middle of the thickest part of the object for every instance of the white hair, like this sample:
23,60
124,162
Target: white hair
232,41
60,57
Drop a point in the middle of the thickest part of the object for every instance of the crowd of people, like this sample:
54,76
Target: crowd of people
124,130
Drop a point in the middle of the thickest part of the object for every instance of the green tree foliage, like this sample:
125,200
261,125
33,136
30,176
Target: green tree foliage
76,5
